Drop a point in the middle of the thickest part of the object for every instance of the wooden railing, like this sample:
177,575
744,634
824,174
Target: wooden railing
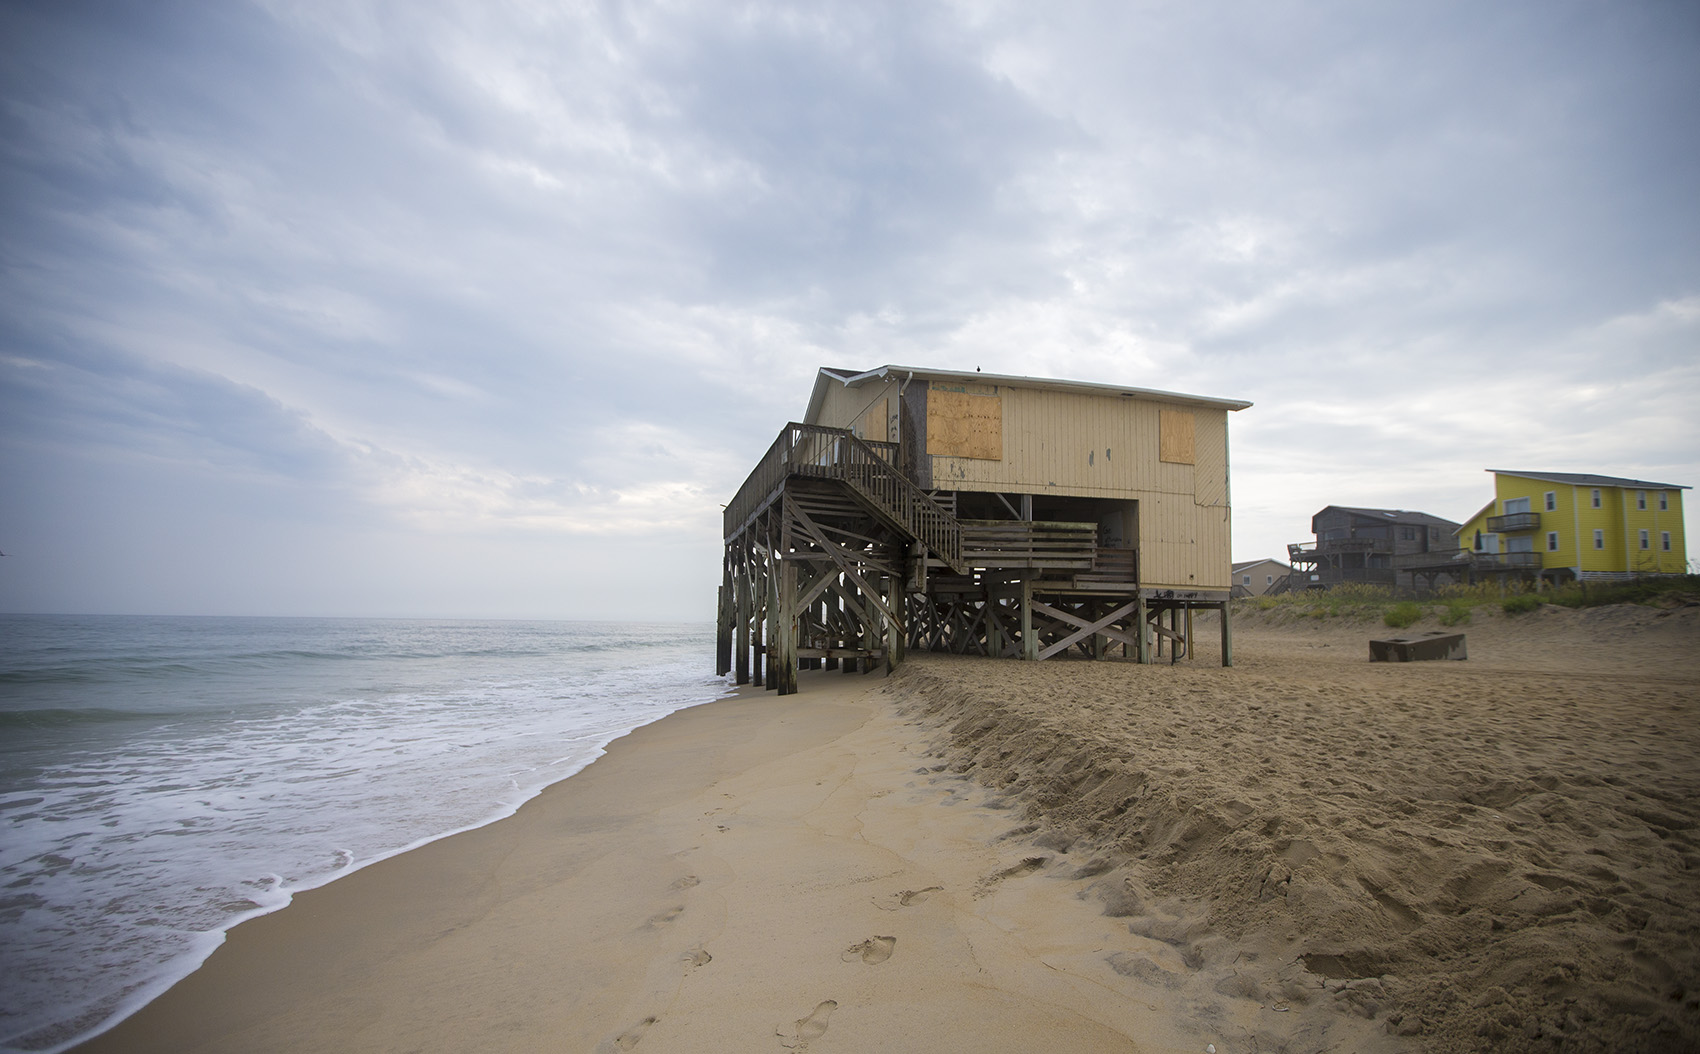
1466,560
819,452
1027,543
1513,522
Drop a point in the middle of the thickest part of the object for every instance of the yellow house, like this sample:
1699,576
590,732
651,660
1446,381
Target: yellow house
1566,526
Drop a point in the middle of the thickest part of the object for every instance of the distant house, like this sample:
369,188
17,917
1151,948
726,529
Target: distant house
1362,545
1565,526
1255,577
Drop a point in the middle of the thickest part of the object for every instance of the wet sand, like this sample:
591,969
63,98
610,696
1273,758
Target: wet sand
1303,852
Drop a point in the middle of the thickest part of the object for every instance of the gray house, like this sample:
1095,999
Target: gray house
1361,545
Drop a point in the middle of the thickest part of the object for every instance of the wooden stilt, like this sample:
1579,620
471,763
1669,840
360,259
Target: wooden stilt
1227,638
1144,651
895,630
785,598
1029,641
741,645
723,623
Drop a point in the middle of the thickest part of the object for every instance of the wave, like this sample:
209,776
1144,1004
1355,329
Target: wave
70,717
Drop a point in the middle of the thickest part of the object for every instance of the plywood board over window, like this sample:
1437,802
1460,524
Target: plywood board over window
872,423
961,424
1175,437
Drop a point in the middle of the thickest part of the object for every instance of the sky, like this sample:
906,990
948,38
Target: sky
482,309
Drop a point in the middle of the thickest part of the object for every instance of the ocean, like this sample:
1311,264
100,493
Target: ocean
162,779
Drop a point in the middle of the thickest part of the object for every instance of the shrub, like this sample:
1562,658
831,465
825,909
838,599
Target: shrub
1517,605
1402,614
1457,613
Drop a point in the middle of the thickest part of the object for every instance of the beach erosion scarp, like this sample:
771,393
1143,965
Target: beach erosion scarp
1488,855
1305,851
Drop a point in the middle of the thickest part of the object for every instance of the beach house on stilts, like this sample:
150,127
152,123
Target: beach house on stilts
978,514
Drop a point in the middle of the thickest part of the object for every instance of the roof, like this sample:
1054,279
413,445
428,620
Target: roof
1392,516
1586,479
1485,510
1243,564
853,379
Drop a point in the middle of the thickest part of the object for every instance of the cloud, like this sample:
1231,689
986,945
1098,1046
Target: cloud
503,273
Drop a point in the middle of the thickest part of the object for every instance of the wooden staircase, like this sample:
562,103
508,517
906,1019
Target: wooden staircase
865,470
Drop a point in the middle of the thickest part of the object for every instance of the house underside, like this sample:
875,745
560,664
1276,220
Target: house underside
835,558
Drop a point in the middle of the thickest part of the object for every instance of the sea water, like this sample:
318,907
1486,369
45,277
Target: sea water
162,779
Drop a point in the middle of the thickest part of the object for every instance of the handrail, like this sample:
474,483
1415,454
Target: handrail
836,453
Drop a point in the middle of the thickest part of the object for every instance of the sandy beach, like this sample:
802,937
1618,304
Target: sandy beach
1303,852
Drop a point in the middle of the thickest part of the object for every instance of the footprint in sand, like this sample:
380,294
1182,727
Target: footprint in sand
627,1039
698,957
808,1028
904,898
916,896
872,951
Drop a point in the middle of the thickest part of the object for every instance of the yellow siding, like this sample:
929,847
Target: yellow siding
1575,519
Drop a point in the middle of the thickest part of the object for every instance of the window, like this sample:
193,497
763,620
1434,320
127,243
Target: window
1552,501
1519,543
1599,539
1664,540
1245,580
1596,497
1407,534
1643,539
1516,505
1664,502
1552,541
1269,580
1641,500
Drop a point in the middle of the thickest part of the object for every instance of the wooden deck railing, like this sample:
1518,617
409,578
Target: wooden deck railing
819,452
1027,543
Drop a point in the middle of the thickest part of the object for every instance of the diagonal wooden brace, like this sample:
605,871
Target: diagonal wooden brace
1086,629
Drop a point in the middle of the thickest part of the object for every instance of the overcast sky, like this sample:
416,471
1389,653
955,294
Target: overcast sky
482,309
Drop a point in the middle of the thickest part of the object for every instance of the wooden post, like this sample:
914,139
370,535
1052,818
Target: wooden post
786,595
833,621
1100,642
741,645
1227,638
723,621
1139,614
1029,642
1189,631
758,646
850,664
894,633
773,643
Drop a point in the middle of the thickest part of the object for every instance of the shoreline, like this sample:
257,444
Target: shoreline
1305,849
741,875
208,942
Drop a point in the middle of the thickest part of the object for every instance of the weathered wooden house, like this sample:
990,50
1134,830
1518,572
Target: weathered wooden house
979,514
1365,545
